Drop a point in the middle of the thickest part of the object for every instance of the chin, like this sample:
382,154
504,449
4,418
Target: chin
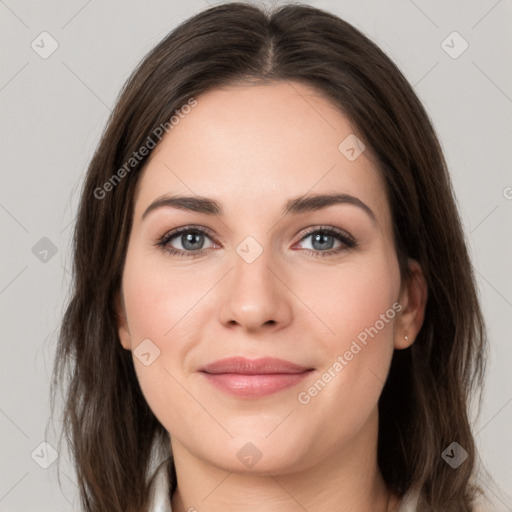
257,454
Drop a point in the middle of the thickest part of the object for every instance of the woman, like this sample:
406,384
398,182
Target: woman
271,280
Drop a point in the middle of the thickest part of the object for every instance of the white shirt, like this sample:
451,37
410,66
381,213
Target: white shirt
159,492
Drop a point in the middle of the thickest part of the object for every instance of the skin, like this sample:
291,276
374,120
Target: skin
252,147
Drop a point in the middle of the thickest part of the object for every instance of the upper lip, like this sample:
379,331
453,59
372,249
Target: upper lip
242,365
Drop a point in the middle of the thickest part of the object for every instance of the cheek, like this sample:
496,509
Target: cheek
159,314
358,303
167,307
350,299
160,300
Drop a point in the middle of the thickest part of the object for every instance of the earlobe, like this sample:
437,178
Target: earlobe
122,323
414,300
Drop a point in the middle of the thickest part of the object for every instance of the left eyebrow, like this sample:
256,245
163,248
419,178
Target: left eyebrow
313,202
294,206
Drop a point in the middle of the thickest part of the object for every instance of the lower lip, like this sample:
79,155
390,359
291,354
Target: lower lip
254,386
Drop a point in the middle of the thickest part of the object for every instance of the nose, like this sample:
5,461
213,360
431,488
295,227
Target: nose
254,296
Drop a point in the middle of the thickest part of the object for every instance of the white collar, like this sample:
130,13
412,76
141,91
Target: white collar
159,500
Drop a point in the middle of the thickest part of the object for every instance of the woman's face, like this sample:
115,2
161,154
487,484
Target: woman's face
269,273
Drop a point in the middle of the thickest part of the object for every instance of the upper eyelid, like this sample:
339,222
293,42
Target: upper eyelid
332,229
183,229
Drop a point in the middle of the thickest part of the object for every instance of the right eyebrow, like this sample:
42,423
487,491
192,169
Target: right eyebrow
189,203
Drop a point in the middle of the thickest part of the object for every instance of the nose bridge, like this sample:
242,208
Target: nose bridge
254,296
252,267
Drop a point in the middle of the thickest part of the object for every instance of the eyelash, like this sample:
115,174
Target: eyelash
348,241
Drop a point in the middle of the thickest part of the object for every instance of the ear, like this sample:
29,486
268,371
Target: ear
122,323
413,299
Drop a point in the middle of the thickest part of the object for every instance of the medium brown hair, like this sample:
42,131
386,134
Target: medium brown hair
425,403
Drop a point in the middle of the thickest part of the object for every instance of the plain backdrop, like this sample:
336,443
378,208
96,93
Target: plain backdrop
53,110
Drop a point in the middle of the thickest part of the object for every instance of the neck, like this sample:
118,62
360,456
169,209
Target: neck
345,480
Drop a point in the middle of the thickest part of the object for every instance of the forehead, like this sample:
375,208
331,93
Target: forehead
257,145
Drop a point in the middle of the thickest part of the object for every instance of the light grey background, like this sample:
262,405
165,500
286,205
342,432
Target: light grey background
53,111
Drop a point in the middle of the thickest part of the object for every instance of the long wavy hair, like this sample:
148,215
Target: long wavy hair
113,435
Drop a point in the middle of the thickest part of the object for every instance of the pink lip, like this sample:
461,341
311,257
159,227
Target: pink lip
253,378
